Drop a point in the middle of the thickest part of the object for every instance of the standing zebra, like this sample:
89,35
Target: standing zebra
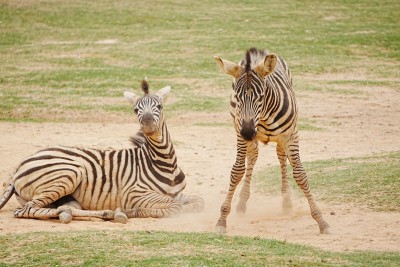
143,181
263,108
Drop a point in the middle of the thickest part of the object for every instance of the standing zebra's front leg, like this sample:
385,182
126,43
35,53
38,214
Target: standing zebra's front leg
235,178
251,159
301,178
287,205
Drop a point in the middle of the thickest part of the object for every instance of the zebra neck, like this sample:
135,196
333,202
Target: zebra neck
161,149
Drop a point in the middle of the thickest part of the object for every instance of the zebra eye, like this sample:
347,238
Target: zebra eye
160,107
136,110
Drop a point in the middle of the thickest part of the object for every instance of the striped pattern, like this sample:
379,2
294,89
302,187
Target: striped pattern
264,109
143,181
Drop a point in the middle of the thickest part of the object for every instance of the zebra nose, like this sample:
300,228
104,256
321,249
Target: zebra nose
248,131
147,119
148,125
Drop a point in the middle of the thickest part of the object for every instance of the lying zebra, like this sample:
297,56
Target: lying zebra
143,181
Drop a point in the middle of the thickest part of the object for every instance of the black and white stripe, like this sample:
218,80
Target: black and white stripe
263,108
142,181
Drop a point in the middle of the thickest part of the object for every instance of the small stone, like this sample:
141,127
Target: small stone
333,213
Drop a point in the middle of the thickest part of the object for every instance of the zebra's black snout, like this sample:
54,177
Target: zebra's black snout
248,131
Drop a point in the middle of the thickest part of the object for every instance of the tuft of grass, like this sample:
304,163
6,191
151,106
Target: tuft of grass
308,125
371,181
122,248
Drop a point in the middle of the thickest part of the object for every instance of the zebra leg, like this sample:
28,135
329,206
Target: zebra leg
74,209
120,216
154,205
300,176
251,155
287,205
235,178
102,214
34,209
65,215
47,192
190,203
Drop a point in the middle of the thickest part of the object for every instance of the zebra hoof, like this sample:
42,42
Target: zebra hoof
221,227
19,213
65,216
120,217
241,208
324,229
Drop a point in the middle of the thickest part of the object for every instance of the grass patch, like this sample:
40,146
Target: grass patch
308,125
371,181
122,248
77,48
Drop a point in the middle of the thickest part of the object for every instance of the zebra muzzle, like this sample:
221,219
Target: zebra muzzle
149,129
248,131
149,126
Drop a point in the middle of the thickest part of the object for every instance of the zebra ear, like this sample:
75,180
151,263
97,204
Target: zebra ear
267,66
163,93
132,97
228,67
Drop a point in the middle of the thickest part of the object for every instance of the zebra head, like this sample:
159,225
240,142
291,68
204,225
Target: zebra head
148,108
248,88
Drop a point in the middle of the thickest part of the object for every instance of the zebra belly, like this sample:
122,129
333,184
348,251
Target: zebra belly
92,197
266,136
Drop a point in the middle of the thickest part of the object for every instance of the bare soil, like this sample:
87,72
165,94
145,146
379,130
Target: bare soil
352,125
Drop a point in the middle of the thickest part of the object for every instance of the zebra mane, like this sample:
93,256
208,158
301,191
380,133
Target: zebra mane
252,58
145,87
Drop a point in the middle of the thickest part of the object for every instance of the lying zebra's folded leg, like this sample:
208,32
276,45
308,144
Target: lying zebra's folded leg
73,209
32,209
65,210
120,216
154,205
190,203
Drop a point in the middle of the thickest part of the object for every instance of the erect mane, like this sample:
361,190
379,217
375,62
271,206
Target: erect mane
145,87
252,58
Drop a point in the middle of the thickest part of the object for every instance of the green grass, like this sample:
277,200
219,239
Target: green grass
371,182
75,49
308,125
122,248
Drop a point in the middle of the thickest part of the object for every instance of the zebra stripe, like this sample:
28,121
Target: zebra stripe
142,181
263,108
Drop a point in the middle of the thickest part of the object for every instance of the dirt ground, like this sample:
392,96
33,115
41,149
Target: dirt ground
353,125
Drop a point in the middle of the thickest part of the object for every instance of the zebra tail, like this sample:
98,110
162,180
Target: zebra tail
7,195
